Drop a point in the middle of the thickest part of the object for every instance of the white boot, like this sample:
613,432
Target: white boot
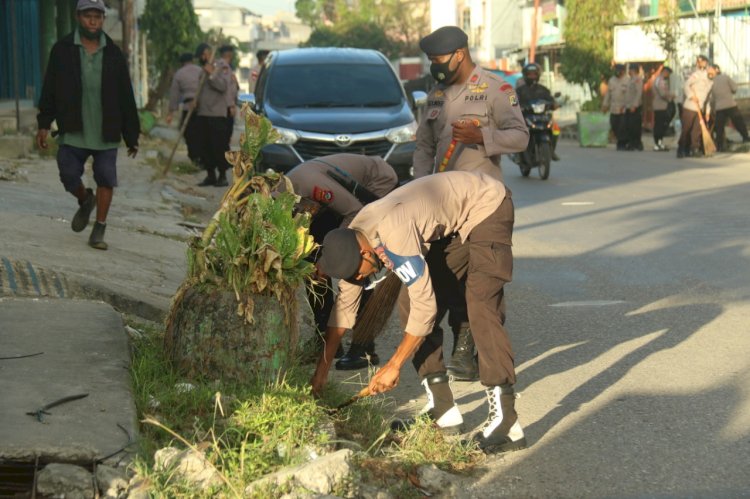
502,432
440,406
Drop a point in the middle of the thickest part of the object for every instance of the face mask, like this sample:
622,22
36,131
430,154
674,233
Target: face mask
372,280
88,34
441,70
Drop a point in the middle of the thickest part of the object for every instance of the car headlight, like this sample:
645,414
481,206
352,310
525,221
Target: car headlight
403,134
286,136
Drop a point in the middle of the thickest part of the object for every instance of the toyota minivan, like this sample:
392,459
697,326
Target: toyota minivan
334,100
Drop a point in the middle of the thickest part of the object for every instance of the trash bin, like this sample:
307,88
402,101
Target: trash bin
593,129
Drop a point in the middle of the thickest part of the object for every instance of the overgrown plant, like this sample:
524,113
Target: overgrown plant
254,244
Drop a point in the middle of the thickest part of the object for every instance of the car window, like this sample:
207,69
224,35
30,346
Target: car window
333,85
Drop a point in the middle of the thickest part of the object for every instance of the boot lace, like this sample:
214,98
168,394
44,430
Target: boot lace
495,414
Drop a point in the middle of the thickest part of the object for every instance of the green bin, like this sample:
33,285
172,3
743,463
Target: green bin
593,129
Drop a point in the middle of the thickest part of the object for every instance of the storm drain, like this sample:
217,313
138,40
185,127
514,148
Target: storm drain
18,479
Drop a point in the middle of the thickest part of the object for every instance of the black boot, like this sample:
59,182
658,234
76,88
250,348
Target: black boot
463,365
210,178
357,357
96,239
222,180
85,207
440,407
502,432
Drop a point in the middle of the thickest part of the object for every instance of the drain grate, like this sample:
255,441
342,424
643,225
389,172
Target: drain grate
18,479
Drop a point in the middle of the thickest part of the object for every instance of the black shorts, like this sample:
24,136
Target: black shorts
70,161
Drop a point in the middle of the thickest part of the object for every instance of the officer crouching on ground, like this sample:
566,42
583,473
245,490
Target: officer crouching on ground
393,234
472,117
341,184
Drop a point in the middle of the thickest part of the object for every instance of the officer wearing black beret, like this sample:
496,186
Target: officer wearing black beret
472,117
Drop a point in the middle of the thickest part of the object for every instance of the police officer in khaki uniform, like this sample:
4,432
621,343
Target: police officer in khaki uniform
472,117
697,89
634,108
227,54
615,101
255,70
663,101
394,234
212,117
722,101
321,181
183,90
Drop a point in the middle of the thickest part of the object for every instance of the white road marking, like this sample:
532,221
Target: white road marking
577,203
589,303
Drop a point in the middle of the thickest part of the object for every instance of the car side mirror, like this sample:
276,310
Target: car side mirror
420,98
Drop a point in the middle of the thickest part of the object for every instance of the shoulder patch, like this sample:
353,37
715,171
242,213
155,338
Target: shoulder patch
408,268
324,196
506,87
512,99
474,78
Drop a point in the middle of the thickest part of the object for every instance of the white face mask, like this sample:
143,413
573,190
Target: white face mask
375,278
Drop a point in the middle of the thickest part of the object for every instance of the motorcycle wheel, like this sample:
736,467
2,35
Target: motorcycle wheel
523,163
544,154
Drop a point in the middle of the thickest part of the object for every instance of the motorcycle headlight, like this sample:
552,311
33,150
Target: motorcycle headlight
538,107
403,134
286,136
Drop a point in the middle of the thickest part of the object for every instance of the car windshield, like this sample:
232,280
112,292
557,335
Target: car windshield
333,85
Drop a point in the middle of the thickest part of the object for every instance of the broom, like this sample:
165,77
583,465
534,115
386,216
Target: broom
377,310
708,143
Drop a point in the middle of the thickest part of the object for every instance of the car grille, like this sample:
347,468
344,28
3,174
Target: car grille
309,149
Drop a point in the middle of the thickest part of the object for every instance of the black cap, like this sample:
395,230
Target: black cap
445,40
667,68
186,57
225,48
635,67
340,256
201,48
619,67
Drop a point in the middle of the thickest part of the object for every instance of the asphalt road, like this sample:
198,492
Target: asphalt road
629,318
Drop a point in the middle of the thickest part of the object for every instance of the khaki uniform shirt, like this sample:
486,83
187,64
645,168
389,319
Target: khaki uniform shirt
184,85
233,89
722,92
311,181
616,97
634,96
212,101
485,97
662,94
698,85
400,228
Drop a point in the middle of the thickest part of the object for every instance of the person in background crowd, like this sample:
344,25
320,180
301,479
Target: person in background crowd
87,90
697,88
725,107
212,117
664,106
615,101
255,70
634,108
226,52
183,91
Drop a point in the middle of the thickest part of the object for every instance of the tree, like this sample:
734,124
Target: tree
588,53
355,34
172,28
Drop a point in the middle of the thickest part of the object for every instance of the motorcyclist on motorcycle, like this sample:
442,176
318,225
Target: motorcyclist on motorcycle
530,90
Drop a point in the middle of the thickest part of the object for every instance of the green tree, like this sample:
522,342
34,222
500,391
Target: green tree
172,28
355,34
588,32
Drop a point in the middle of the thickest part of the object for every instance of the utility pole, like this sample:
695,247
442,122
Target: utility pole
534,22
14,35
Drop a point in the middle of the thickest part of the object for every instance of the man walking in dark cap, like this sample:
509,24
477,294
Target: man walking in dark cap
472,117
392,233
87,90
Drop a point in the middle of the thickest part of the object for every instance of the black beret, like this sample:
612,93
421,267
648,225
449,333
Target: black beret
445,40
340,256
619,67
186,57
226,48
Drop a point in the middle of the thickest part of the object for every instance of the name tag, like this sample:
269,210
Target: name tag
408,268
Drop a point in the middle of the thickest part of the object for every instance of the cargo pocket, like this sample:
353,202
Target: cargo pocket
491,259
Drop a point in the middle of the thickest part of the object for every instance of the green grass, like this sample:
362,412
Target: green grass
247,432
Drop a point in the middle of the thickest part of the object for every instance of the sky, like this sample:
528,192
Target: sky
265,7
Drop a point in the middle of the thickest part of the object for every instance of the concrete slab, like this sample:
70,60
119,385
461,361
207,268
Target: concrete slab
85,351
